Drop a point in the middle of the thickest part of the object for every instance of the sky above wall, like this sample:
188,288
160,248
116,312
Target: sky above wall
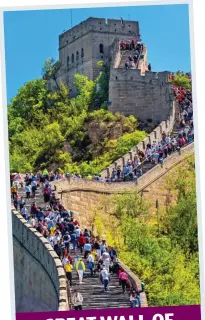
31,37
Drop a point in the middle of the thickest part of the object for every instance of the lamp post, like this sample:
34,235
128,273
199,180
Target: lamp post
142,192
157,209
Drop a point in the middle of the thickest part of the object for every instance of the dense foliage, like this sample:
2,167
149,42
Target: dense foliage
166,260
181,79
50,129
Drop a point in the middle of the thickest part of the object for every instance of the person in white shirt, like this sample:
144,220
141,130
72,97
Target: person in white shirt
77,300
106,260
32,221
64,261
24,212
104,277
56,238
77,231
50,240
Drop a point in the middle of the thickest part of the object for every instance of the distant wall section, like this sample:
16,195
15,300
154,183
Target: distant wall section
145,97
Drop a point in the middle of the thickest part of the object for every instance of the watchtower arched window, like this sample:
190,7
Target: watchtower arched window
82,53
101,48
73,58
77,56
68,61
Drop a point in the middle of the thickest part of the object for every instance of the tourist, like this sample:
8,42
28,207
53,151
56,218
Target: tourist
33,188
14,191
24,212
112,253
90,261
80,268
106,259
104,278
126,65
77,300
81,242
133,300
87,248
103,247
28,191
66,240
58,249
123,277
68,269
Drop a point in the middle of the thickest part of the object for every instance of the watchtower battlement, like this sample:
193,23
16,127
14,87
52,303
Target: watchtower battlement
101,25
160,78
88,42
145,94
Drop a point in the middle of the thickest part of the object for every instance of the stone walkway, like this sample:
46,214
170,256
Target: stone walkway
91,288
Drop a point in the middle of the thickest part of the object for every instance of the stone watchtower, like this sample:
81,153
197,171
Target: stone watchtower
92,40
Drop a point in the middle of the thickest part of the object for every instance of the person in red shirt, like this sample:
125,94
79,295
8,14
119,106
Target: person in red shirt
34,209
67,256
76,223
123,277
179,97
81,242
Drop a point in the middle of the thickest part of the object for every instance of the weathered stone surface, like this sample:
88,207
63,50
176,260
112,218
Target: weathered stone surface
88,36
87,197
40,279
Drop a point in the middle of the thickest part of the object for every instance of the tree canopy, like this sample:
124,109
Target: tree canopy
167,261
43,122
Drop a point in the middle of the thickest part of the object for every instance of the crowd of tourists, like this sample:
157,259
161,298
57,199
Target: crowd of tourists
172,75
130,45
78,249
133,59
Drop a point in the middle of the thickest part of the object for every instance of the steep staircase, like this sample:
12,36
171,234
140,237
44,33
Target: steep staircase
93,294
124,57
91,289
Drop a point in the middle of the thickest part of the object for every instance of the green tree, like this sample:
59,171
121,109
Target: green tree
50,70
182,80
103,81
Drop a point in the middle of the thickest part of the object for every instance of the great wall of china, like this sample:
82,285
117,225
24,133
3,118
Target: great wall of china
44,282
39,260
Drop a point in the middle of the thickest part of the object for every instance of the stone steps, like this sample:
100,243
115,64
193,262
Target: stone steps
93,292
125,55
91,289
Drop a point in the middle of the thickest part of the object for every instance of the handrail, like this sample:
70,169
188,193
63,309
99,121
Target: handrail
143,162
167,170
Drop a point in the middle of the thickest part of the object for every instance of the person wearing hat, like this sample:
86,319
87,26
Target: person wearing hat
77,300
80,268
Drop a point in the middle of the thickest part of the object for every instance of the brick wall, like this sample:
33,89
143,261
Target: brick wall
86,197
89,35
155,135
144,96
40,280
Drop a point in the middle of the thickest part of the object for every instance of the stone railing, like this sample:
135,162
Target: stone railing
70,185
44,262
155,135
92,186
88,190
169,163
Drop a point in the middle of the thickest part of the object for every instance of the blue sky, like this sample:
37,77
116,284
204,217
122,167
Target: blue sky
31,37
